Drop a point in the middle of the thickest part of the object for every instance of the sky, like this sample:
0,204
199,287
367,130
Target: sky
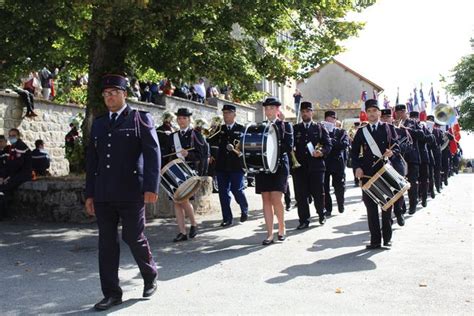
406,43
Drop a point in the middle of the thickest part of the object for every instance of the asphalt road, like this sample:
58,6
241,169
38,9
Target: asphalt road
52,268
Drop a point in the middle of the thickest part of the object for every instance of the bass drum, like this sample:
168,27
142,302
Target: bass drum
260,146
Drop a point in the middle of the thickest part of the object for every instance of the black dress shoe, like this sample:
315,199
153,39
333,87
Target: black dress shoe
400,220
303,225
423,203
193,231
322,220
225,224
267,242
373,246
244,217
180,237
412,210
288,207
150,288
438,190
281,237
327,214
387,244
341,210
107,303
433,195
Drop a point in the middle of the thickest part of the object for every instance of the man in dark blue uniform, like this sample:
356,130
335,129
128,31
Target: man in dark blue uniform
164,131
412,157
308,179
384,136
16,170
229,171
426,139
335,164
436,149
123,172
397,161
40,159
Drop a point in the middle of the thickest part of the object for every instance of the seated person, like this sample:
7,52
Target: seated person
17,169
4,149
40,159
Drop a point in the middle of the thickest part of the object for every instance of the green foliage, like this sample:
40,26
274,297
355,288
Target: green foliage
76,156
463,86
76,95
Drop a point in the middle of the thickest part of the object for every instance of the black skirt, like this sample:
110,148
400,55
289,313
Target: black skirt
270,182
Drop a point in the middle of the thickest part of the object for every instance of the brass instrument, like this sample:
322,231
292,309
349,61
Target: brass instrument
294,161
444,114
214,129
235,148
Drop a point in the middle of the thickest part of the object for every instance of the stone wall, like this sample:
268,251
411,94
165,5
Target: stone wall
61,199
52,122
51,125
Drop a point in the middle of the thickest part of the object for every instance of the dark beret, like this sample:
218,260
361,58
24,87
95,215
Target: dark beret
330,113
386,112
430,118
371,103
414,114
114,81
306,105
229,107
271,101
400,107
183,112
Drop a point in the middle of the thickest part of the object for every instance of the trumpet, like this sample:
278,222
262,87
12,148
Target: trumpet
295,162
235,148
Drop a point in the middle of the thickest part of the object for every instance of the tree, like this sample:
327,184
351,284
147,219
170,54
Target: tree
463,87
230,42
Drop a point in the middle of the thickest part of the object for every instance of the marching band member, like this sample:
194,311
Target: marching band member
312,144
436,149
189,145
272,185
164,131
397,161
335,163
412,157
426,139
229,171
375,138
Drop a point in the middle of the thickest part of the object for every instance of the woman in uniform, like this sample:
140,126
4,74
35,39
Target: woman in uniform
272,186
181,142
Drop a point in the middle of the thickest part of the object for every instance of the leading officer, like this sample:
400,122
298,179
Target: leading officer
123,172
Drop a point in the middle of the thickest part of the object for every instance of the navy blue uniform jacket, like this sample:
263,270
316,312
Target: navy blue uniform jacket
316,133
385,136
123,160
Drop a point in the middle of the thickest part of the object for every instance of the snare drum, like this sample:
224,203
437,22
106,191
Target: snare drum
386,187
260,148
179,180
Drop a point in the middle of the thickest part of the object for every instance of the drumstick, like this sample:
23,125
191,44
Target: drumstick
175,153
383,157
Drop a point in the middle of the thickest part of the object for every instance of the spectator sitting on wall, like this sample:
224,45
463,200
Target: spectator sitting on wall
145,91
135,89
200,90
71,136
17,169
40,160
46,76
212,92
155,92
32,84
27,98
167,87
183,92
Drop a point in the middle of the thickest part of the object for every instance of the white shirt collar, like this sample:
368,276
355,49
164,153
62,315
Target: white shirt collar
230,126
184,130
118,112
376,124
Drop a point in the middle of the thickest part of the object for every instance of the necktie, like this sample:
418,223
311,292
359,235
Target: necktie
229,127
374,128
306,125
183,132
113,119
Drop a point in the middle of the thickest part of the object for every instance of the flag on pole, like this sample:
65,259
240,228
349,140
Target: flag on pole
416,106
437,98
422,105
433,99
363,115
398,96
410,103
375,95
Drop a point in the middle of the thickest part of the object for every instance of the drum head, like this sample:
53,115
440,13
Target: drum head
271,149
187,189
